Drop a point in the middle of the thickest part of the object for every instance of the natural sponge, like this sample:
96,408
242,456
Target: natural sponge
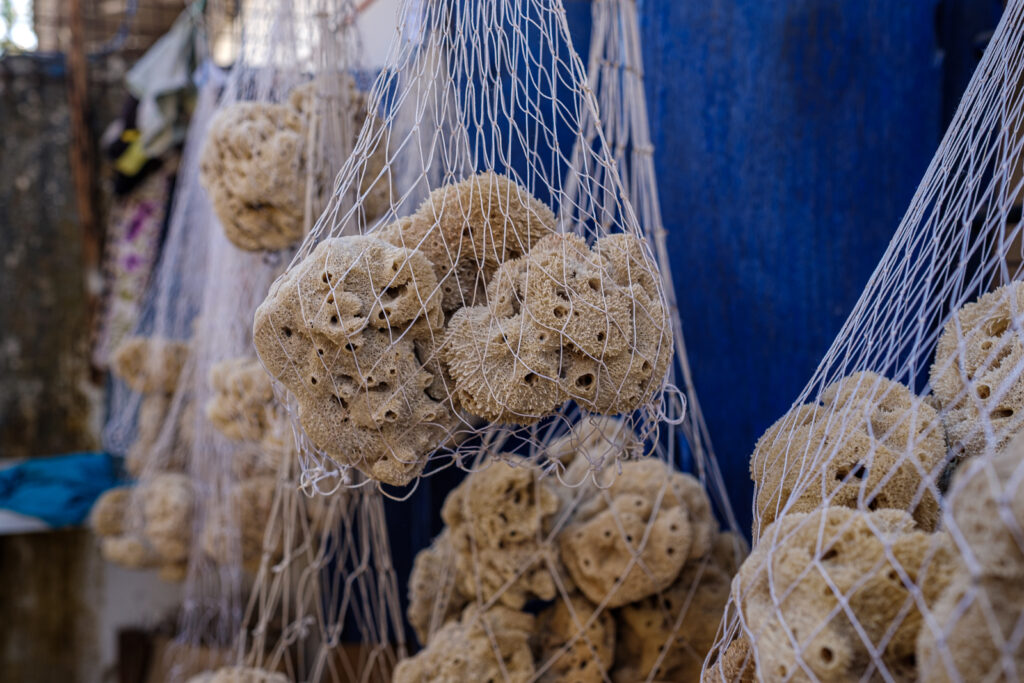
239,674
434,592
499,518
563,322
822,590
735,664
669,633
150,364
490,645
633,536
977,632
242,406
976,375
467,229
576,642
234,529
870,443
350,331
107,517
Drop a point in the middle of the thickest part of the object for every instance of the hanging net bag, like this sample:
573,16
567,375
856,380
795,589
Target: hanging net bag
603,565
484,308
889,522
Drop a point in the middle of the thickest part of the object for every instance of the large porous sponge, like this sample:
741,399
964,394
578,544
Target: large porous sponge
234,529
483,646
468,229
563,322
822,590
633,536
150,365
499,519
435,597
870,444
974,632
733,665
668,634
976,375
592,444
242,406
350,331
985,513
575,642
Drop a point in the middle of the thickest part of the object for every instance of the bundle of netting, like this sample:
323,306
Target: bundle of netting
485,307
619,571
889,529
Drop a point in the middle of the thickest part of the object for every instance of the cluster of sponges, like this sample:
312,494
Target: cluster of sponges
152,367
148,526
869,444
351,333
643,598
976,377
973,633
565,321
835,593
242,405
260,167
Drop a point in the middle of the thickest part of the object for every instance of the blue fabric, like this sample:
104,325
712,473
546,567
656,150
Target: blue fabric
59,490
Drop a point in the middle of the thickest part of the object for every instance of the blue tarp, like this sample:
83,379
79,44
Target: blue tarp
60,490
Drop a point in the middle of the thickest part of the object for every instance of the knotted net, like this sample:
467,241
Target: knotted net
889,527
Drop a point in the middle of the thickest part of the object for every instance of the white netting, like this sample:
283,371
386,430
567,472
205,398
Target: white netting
603,565
485,307
207,440
889,523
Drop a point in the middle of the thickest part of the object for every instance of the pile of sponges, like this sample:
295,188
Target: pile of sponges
473,308
624,575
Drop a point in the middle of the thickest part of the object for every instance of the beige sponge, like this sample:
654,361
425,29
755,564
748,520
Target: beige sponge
239,674
633,536
824,589
467,229
350,331
668,634
870,444
242,406
150,364
434,591
976,375
499,518
565,321
234,529
490,645
576,642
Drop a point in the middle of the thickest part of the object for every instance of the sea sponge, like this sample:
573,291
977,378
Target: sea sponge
593,443
734,665
576,641
670,633
239,674
871,443
150,364
234,530
632,538
976,376
985,512
820,586
467,229
563,322
434,595
167,508
130,552
107,517
242,406
481,646
350,332
499,518
977,632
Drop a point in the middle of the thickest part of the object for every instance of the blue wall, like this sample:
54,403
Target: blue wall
790,138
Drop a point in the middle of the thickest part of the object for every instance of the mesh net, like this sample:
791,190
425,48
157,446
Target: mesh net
889,527
581,560
458,296
208,442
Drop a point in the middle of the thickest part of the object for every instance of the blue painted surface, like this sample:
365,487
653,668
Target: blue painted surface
790,138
